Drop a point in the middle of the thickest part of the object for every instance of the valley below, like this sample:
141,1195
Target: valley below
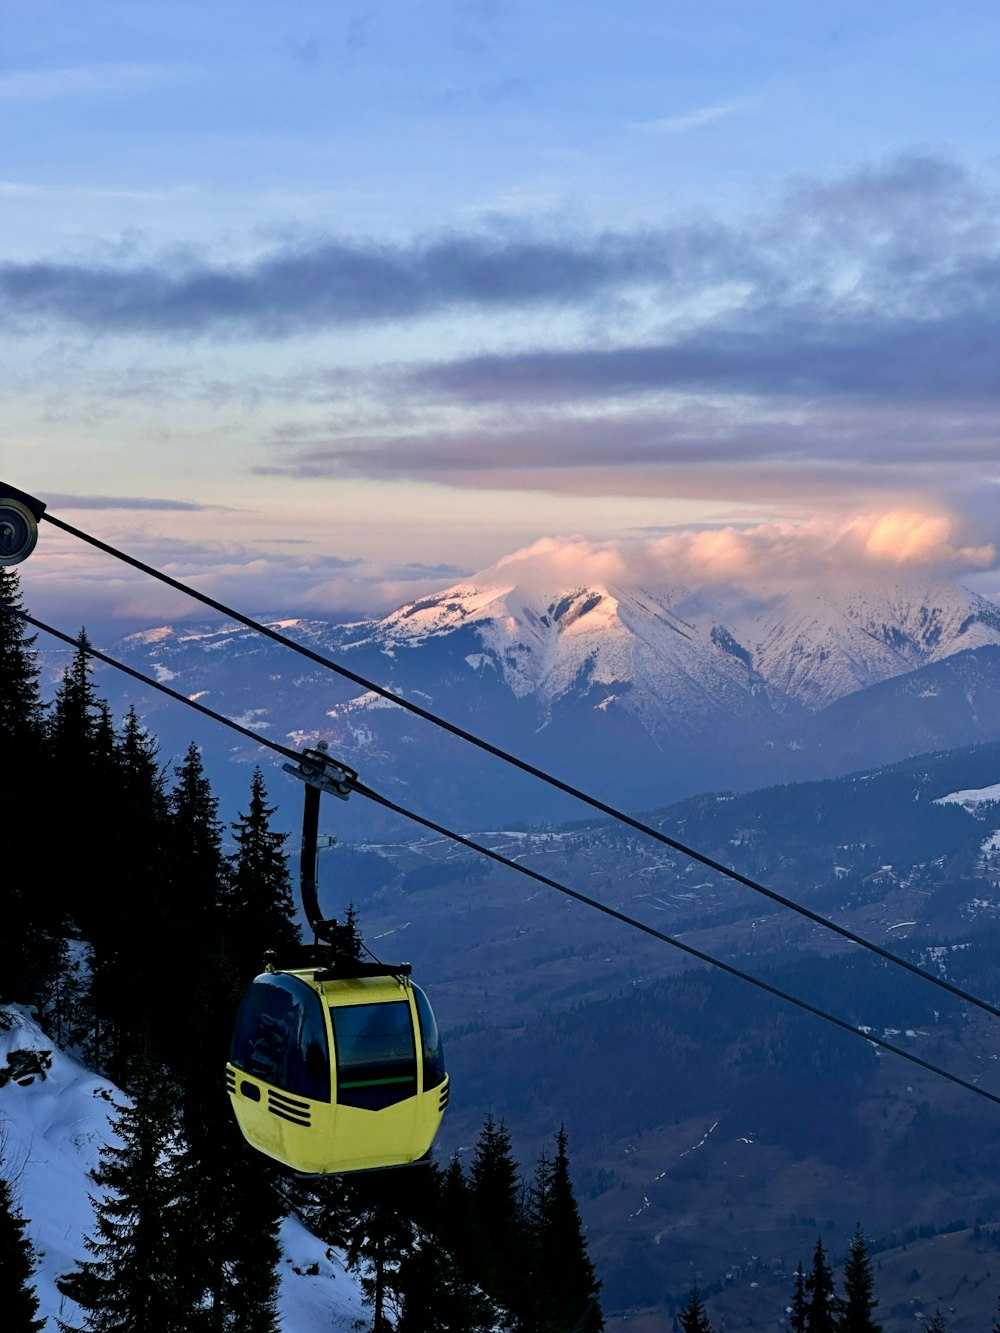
735,1078
716,1130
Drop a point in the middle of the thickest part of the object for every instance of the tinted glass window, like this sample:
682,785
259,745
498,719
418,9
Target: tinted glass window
376,1061
430,1042
280,1037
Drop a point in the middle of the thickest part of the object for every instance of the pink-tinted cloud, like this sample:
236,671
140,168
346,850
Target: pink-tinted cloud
70,588
859,546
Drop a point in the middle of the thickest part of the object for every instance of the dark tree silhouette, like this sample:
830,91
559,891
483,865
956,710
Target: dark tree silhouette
692,1316
564,1283
859,1302
498,1224
133,901
797,1312
137,1280
34,953
822,1306
18,1297
21,712
259,906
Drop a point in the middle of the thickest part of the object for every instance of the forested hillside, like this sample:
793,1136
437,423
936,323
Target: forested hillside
131,934
712,1125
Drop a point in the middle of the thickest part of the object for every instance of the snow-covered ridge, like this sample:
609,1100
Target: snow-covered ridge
803,643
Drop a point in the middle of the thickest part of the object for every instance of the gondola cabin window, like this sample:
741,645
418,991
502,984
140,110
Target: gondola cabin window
376,1058
430,1039
280,1037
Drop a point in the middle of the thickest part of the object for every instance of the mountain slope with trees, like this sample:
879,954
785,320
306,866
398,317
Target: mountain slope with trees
132,938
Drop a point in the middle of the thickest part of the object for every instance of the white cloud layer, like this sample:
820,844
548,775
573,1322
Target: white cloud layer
862,546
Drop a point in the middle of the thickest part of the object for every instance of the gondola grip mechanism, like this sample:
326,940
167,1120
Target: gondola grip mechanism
317,769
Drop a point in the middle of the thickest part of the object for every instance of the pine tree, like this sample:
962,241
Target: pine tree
436,1291
937,1323
821,1301
136,1280
20,702
18,1298
75,722
33,922
693,1317
454,1224
81,753
196,1019
382,1236
798,1310
564,1284
230,1194
230,1205
858,1306
498,1223
436,1295
134,901
260,908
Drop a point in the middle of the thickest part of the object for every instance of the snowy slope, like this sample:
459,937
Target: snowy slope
53,1123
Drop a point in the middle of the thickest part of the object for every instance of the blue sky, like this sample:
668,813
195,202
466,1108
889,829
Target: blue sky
321,307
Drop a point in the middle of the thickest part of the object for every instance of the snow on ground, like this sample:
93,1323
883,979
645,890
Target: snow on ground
54,1120
972,797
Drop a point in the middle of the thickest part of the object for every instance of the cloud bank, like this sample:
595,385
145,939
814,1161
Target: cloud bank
834,355
894,543
878,546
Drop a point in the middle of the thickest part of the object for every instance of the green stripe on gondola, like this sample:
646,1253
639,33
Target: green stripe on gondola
377,1082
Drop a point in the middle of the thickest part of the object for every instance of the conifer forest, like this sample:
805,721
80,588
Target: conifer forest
132,933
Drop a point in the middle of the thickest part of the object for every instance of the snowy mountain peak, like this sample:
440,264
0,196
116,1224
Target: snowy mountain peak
806,644
584,674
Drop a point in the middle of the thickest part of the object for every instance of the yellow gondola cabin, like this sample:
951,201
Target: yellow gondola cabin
335,1073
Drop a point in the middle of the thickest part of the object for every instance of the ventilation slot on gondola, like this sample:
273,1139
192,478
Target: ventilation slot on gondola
287,1109
444,1096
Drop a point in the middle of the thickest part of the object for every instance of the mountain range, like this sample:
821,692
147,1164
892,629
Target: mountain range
640,695
841,745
